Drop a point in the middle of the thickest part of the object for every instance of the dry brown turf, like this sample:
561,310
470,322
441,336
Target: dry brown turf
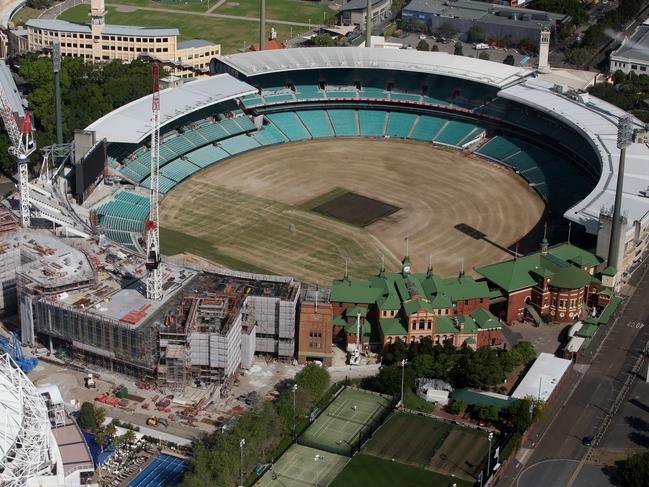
248,210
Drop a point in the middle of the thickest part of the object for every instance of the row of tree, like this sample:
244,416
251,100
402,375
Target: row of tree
265,428
603,31
460,366
91,418
628,92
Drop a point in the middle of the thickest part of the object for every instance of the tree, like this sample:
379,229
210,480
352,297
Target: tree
484,55
522,414
458,50
509,60
87,417
635,470
619,77
313,380
435,48
111,428
423,45
423,365
475,34
388,380
129,436
481,368
526,351
458,406
485,412
572,8
395,352
101,438
323,40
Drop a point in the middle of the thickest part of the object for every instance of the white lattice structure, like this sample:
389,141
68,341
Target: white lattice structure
27,449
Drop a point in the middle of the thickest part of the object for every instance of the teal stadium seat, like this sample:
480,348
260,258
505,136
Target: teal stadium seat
455,133
178,169
207,155
316,122
238,144
427,127
372,122
269,135
343,122
289,124
399,124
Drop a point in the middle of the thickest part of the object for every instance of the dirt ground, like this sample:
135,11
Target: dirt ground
249,208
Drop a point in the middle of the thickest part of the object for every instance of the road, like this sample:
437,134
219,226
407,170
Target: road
554,455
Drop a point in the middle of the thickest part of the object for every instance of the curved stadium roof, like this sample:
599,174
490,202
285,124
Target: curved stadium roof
441,63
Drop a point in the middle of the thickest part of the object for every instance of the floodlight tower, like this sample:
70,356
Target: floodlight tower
154,278
56,61
22,145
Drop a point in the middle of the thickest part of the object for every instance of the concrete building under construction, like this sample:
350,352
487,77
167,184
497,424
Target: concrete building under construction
90,302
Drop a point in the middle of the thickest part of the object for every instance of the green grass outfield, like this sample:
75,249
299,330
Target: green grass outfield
430,444
231,34
369,471
297,468
337,428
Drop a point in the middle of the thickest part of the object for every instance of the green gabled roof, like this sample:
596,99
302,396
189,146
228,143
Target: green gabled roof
355,310
514,274
348,291
441,301
592,321
587,330
464,287
542,272
470,341
570,277
485,319
595,280
609,271
444,324
609,310
415,305
339,321
607,292
572,253
495,293
469,323
392,326
351,328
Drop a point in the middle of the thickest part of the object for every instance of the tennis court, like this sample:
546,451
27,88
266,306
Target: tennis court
352,415
298,467
164,470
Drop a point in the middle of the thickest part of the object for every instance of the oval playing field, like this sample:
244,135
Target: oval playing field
302,209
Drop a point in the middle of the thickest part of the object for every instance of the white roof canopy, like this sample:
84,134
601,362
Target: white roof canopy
132,122
264,62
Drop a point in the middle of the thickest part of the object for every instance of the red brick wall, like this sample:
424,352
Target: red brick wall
485,338
516,303
312,323
471,305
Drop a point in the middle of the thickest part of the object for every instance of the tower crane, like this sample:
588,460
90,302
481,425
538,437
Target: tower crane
22,145
154,277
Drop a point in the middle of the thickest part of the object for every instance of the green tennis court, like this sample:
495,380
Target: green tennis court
298,467
337,428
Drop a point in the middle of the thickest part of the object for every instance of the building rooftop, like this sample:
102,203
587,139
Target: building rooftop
265,62
131,123
73,448
128,30
542,378
484,11
563,264
195,43
359,4
636,46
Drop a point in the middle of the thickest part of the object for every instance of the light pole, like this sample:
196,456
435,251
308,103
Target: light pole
491,437
317,459
403,368
242,443
294,388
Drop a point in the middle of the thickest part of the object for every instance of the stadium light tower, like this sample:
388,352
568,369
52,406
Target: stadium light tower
154,277
624,140
56,61
22,145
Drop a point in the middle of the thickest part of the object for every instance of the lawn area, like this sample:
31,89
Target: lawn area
290,10
24,14
191,5
427,443
365,470
231,34
412,401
